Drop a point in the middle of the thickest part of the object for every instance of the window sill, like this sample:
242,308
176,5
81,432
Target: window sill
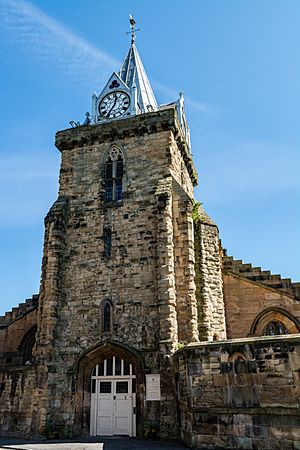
112,204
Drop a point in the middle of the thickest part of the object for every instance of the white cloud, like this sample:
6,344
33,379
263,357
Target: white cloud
56,45
59,47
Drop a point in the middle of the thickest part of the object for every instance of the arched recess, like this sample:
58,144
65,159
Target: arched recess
26,346
291,324
82,385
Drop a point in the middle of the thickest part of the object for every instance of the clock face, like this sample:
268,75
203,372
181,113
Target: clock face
114,105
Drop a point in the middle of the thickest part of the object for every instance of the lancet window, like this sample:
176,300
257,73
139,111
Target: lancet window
106,317
114,175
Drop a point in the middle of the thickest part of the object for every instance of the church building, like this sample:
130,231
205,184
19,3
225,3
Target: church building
143,325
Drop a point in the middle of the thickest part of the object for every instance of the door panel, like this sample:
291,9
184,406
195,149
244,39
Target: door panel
123,408
105,409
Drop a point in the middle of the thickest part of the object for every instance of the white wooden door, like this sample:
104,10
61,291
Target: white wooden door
105,408
113,399
122,408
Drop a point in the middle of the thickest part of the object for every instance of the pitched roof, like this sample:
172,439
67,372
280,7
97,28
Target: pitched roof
132,72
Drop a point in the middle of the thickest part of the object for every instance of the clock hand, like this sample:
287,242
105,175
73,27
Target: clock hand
112,106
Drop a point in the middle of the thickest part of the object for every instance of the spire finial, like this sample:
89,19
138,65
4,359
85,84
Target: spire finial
133,30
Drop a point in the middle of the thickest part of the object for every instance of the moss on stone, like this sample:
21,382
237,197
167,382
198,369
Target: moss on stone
203,332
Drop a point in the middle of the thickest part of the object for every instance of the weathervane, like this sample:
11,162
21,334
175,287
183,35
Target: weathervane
133,30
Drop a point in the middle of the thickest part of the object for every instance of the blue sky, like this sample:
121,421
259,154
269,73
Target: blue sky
238,63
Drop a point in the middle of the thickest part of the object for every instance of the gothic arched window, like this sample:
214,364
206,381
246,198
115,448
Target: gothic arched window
27,345
274,321
114,175
106,317
275,328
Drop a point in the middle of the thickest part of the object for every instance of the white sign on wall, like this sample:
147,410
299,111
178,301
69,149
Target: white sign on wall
153,387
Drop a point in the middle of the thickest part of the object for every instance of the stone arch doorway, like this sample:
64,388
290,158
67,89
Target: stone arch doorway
101,365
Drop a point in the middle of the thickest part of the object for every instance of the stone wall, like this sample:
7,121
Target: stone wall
241,394
257,274
208,277
14,327
140,276
246,301
16,393
186,305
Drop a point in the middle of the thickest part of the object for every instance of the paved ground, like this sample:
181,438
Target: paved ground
90,444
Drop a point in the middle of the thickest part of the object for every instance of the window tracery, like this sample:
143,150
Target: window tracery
274,328
114,175
274,322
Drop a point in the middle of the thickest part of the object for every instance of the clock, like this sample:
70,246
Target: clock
114,105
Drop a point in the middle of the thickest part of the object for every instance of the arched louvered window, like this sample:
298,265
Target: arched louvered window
114,175
107,317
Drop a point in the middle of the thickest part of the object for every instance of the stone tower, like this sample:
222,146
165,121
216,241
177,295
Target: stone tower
118,287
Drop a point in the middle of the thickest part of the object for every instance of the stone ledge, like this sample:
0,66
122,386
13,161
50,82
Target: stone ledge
276,411
288,338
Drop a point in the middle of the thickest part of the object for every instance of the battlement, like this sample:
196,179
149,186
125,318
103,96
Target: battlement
19,311
246,270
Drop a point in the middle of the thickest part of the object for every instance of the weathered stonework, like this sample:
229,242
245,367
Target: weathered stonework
241,393
247,303
148,277
16,330
141,277
211,312
16,389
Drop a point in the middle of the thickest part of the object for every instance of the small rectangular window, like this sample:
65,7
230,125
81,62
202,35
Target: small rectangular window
101,368
105,387
117,366
122,387
109,366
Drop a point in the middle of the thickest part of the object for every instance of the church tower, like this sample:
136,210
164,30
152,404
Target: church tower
118,292
127,336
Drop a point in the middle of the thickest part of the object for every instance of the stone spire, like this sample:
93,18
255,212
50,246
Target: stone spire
133,74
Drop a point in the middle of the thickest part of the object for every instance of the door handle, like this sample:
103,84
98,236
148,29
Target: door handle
114,397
